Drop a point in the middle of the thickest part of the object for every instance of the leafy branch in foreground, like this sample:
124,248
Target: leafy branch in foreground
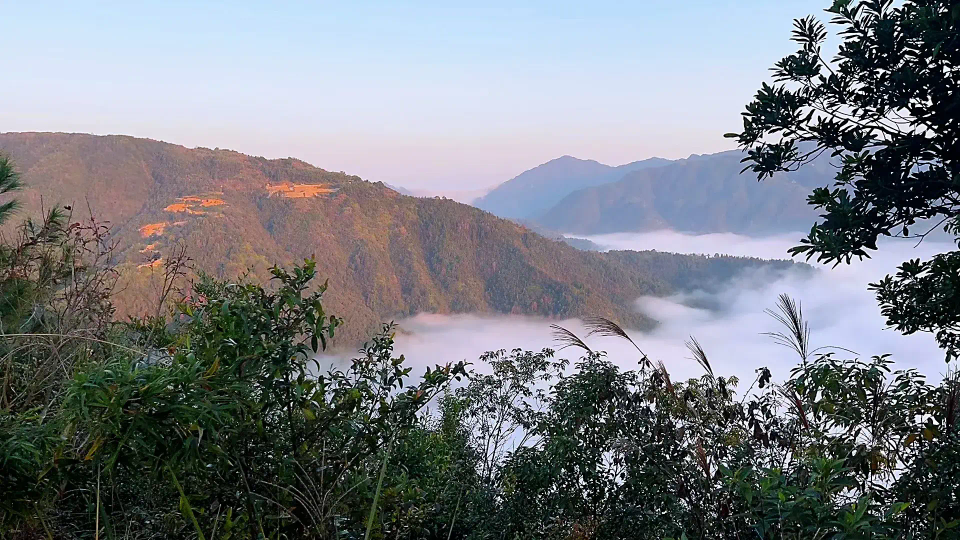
884,113
9,182
221,422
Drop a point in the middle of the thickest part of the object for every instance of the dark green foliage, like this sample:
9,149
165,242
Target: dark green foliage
55,287
886,111
233,415
839,450
215,421
208,439
218,420
924,296
9,181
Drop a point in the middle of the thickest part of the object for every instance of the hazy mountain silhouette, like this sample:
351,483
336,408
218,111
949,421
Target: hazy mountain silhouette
702,194
536,190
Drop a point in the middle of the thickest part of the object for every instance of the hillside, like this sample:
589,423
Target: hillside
534,191
702,194
386,255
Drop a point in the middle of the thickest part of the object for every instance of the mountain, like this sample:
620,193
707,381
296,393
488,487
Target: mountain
702,194
534,191
399,189
386,255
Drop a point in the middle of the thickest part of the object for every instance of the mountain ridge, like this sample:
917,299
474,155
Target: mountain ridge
535,190
386,255
702,194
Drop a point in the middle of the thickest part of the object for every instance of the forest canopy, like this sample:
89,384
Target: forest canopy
213,418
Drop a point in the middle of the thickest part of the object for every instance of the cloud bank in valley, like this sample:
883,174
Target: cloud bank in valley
840,309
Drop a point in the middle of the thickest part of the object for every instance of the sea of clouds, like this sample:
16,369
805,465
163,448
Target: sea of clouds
836,302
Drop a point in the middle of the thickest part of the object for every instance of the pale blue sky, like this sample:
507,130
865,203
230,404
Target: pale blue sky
422,94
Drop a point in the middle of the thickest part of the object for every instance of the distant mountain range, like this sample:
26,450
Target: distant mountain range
386,255
535,191
700,194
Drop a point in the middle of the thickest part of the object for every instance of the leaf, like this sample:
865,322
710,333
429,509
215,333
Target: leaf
376,495
213,368
838,6
185,505
93,449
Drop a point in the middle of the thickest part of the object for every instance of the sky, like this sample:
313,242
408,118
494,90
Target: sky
427,95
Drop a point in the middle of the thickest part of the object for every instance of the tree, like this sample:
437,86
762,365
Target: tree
9,181
230,411
887,110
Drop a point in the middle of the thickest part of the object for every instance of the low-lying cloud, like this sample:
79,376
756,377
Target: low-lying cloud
841,311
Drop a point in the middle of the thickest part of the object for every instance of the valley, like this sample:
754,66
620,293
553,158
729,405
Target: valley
387,256
480,270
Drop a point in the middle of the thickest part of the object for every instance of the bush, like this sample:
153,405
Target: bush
218,421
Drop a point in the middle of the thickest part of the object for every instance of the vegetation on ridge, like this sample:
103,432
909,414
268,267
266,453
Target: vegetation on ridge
387,256
215,421
218,421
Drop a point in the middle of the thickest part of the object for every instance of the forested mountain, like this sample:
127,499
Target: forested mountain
534,191
386,255
703,194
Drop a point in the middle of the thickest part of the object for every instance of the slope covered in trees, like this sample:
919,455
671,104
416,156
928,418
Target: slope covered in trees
212,421
215,422
386,255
